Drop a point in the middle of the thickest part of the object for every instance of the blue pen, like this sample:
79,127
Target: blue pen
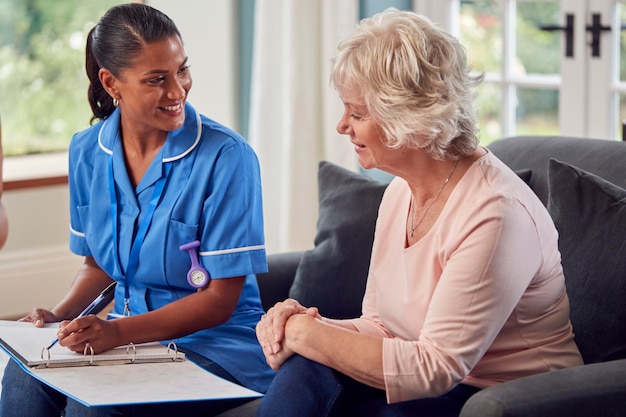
96,305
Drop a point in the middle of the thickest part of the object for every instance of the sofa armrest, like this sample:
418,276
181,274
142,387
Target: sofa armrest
583,391
275,284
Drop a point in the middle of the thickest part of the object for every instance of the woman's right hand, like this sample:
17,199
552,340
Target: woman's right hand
270,330
39,317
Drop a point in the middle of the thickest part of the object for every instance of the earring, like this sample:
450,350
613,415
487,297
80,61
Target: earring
116,102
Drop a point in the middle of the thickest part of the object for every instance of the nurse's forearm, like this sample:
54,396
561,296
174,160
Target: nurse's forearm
204,309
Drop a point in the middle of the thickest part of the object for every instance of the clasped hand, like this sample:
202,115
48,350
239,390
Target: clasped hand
272,332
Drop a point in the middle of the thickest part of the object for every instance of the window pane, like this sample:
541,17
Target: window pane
538,51
537,112
521,55
43,99
489,108
481,33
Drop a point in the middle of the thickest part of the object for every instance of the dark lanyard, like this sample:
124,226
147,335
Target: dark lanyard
133,259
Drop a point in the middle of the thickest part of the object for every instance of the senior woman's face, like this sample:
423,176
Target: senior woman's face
364,133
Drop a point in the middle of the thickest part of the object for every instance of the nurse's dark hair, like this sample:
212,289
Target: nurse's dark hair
116,40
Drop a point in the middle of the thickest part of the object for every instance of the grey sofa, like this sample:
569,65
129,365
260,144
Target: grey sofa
581,181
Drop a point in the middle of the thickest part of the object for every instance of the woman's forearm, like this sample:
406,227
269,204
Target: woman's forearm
356,355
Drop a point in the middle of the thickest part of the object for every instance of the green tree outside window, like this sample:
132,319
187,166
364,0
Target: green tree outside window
43,86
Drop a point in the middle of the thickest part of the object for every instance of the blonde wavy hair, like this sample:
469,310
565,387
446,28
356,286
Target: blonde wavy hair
415,81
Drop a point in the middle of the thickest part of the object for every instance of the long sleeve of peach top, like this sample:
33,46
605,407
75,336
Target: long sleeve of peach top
479,300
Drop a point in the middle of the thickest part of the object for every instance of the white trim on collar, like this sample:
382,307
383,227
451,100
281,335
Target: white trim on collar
105,149
195,143
170,158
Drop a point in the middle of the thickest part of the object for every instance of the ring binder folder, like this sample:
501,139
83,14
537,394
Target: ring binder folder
47,350
21,342
159,373
132,345
175,349
89,348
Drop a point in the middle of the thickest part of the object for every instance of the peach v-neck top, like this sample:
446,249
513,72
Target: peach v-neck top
480,299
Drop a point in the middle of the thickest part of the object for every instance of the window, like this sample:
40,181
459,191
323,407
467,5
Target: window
43,86
521,65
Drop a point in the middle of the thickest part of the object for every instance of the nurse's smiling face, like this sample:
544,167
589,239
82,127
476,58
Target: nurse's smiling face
153,90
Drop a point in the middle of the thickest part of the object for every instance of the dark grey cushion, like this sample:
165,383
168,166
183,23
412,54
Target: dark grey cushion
590,215
332,275
525,174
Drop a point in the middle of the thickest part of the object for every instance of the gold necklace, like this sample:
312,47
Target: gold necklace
431,203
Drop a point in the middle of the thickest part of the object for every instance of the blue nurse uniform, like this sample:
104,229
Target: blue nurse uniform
211,193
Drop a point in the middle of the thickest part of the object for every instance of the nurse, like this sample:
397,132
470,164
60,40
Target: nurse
152,175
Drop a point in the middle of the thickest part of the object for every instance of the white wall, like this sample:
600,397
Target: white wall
210,37
36,266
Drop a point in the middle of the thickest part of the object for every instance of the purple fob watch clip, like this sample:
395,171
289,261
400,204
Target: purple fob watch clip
197,276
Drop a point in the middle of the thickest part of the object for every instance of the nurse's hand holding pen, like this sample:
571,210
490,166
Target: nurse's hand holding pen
76,334
101,301
88,332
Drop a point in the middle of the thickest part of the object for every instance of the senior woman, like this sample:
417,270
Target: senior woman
465,287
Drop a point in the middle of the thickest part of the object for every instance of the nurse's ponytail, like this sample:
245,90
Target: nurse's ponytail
100,101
